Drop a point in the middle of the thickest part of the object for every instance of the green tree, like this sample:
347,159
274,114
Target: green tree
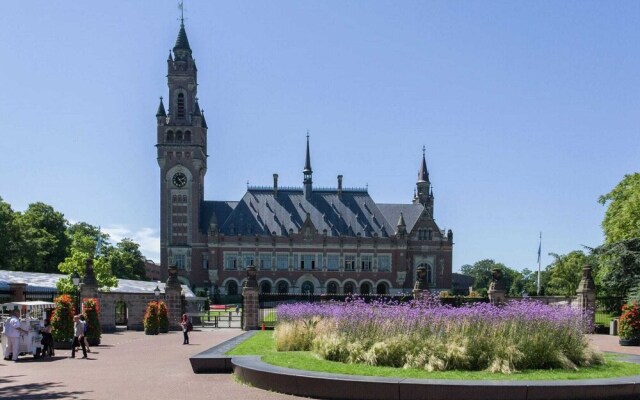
566,271
622,218
8,236
126,260
83,246
619,266
481,272
42,243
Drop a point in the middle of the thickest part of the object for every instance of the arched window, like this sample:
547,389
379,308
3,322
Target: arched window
332,288
178,136
187,136
283,287
349,288
232,288
265,287
181,108
365,288
307,287
170,136
381,288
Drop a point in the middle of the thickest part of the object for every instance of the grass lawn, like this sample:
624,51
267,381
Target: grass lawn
262,344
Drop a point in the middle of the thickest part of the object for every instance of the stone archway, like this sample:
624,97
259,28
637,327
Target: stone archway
121,313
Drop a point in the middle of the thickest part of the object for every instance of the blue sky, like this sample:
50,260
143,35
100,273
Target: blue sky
529,110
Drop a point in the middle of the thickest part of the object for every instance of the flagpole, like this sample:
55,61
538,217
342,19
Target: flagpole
539,251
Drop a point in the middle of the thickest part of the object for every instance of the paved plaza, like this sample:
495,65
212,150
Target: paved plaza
132,365
128,365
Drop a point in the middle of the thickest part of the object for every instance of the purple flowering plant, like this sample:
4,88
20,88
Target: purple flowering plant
426,334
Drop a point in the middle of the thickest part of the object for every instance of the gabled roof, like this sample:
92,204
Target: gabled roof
351,213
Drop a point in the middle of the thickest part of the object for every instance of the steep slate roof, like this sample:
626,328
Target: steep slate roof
352,213
410,212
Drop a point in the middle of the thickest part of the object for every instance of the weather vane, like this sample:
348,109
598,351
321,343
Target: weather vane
181,7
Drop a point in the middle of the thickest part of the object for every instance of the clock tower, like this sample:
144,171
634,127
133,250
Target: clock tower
182,157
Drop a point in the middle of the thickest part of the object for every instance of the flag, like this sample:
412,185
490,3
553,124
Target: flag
98,243
539,250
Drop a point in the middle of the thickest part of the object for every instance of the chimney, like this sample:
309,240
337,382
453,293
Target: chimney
339,185
275,185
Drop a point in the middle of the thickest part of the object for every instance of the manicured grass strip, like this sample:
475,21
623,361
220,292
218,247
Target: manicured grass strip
262,344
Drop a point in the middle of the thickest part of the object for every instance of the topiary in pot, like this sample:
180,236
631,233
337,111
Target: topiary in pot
62,321
163,317
151,319
92,316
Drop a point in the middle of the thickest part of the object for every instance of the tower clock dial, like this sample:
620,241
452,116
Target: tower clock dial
179,179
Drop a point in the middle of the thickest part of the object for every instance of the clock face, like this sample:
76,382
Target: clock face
179,179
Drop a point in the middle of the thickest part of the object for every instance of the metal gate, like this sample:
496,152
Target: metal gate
226,313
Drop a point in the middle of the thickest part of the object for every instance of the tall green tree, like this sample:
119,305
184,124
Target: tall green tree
566,271
126,260
83,246
8,236
43,241
622,218
619,266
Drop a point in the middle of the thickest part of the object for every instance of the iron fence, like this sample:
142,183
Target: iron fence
608,308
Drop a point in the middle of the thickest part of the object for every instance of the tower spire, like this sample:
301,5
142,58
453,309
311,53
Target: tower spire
307,172
423,173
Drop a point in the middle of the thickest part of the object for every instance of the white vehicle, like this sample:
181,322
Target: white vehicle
32,316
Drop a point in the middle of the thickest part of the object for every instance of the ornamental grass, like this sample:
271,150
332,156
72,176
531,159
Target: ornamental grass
428,335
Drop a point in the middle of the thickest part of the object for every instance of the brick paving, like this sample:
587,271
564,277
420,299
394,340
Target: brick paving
132,365
128,365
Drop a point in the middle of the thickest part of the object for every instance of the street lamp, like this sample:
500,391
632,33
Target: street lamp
75,278
156,291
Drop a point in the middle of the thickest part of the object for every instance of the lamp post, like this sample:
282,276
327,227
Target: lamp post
75,278
156,291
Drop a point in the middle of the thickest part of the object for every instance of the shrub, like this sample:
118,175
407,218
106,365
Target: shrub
151,319
92,316
629,322
62,318
163,317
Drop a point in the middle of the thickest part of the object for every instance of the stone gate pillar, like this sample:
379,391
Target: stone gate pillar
251,304
497,292
89,286
586,295
173,298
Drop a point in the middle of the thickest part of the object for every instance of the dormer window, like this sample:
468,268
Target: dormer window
181,107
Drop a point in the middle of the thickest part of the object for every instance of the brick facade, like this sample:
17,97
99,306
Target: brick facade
299,239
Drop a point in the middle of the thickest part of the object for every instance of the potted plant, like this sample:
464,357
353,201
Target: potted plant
163,317
92,316
151,319
62,322
629,325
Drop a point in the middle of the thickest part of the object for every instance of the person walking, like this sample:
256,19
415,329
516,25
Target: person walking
13,331
78,337
185,329
85,326
47,339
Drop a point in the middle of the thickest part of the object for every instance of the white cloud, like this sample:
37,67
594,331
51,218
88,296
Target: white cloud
147,238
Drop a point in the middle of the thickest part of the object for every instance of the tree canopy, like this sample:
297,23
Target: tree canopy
622,218
565,272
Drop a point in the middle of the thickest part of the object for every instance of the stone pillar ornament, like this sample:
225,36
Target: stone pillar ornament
497,292
173,298
89,286
251,304
586,296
